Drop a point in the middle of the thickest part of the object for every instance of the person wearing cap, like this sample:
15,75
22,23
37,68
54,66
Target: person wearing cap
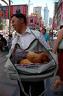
58,48
24,37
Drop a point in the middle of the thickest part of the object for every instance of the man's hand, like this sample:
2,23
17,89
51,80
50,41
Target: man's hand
57,83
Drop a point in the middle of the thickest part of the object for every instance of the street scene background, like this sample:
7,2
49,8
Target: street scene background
38,17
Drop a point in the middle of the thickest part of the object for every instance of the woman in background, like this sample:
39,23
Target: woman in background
57,49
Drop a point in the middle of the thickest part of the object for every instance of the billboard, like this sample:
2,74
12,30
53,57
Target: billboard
13,9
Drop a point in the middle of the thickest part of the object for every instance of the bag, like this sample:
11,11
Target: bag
33,72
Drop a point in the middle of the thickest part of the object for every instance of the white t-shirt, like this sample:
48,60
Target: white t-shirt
27,37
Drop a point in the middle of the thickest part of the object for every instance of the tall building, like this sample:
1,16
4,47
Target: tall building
50,22
46,16
37,10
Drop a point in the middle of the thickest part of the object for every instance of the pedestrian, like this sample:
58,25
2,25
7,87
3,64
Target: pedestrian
3,43
51,38
58,49
25,37
46,35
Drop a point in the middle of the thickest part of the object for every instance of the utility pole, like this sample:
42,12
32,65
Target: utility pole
9,15
28,6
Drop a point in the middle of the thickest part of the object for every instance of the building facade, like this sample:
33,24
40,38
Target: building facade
13,9
37,10
35,22
46,16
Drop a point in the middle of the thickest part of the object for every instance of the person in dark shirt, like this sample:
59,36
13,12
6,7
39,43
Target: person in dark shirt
3,42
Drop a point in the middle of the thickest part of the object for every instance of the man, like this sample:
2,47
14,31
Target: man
3,43
24,37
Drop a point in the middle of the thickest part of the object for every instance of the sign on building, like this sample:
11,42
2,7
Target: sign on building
13,9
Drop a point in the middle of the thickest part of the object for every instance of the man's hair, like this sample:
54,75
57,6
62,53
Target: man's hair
61,26
19,16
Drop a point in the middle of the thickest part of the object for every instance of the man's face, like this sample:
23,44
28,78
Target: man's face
16,23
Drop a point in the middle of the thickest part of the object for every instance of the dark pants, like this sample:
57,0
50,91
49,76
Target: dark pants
36,88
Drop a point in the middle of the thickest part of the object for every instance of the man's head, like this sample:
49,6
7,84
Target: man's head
19,22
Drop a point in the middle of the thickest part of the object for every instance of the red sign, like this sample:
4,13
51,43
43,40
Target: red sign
14,8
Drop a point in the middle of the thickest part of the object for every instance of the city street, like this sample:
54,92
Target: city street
7,87
17,21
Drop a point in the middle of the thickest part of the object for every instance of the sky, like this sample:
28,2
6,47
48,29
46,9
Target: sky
35,3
